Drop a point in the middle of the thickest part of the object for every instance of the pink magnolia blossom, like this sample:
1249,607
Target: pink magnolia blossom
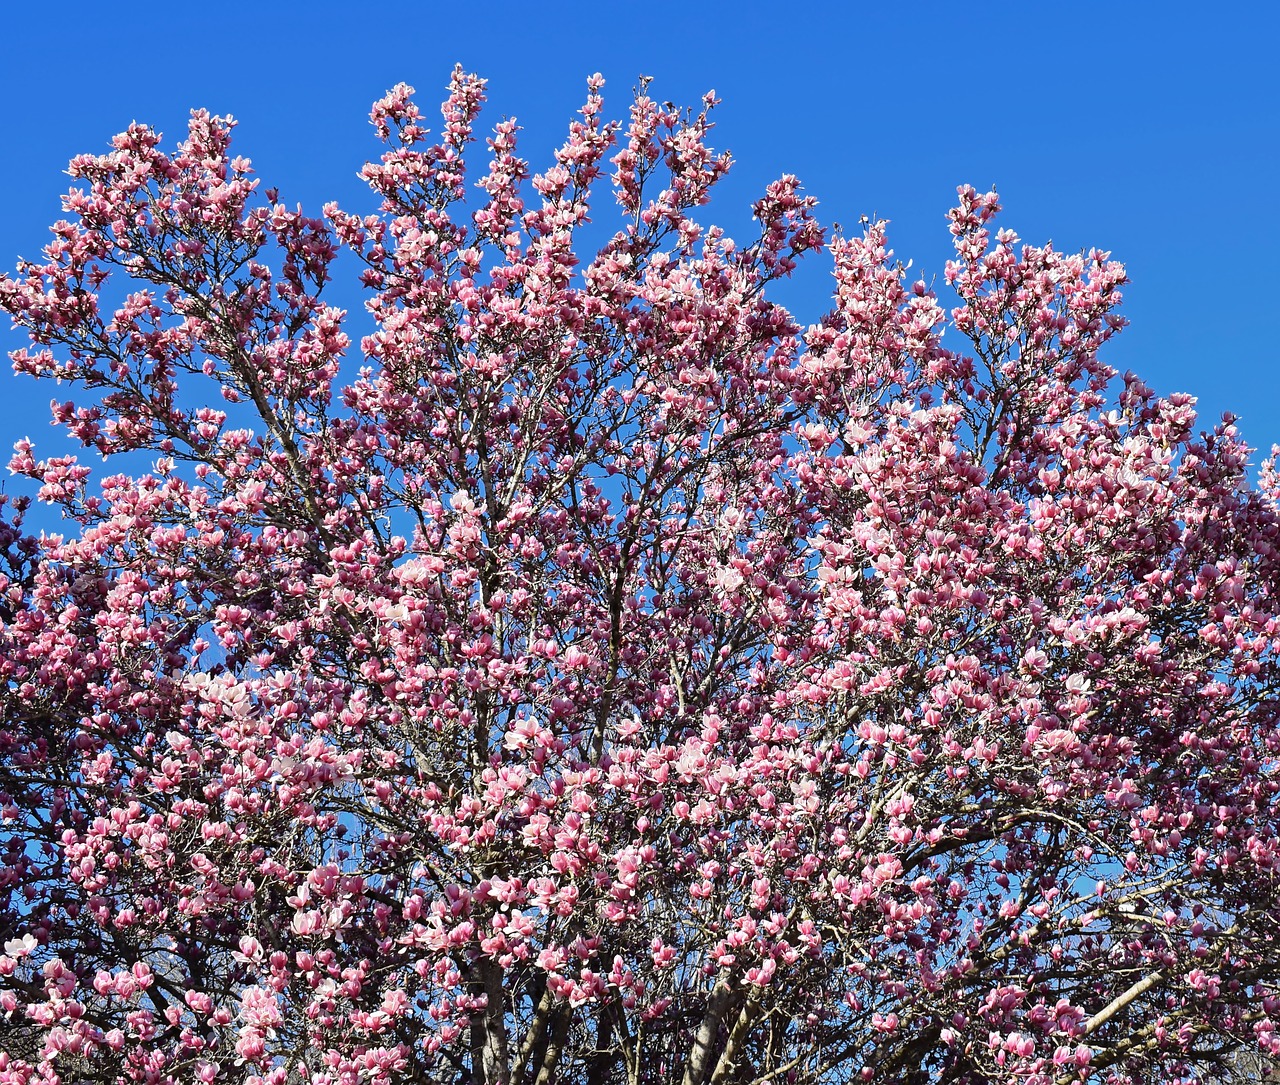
578,670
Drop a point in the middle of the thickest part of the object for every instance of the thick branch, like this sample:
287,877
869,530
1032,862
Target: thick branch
1121,1001
733,1045
695,1072
489,1056
559,1033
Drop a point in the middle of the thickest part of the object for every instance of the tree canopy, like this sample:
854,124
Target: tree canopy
596,675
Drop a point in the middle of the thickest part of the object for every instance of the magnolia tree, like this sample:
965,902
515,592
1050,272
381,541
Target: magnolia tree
608,679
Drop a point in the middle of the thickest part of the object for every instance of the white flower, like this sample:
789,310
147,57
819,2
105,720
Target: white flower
729,580
21,947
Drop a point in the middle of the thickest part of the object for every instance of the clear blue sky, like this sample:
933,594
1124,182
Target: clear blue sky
1150,129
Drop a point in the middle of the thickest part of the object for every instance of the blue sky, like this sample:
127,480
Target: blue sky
1152,130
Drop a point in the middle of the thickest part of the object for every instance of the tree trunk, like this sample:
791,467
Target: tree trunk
702,1055
489,1058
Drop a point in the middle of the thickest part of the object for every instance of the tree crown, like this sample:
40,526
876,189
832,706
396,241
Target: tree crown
614,679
